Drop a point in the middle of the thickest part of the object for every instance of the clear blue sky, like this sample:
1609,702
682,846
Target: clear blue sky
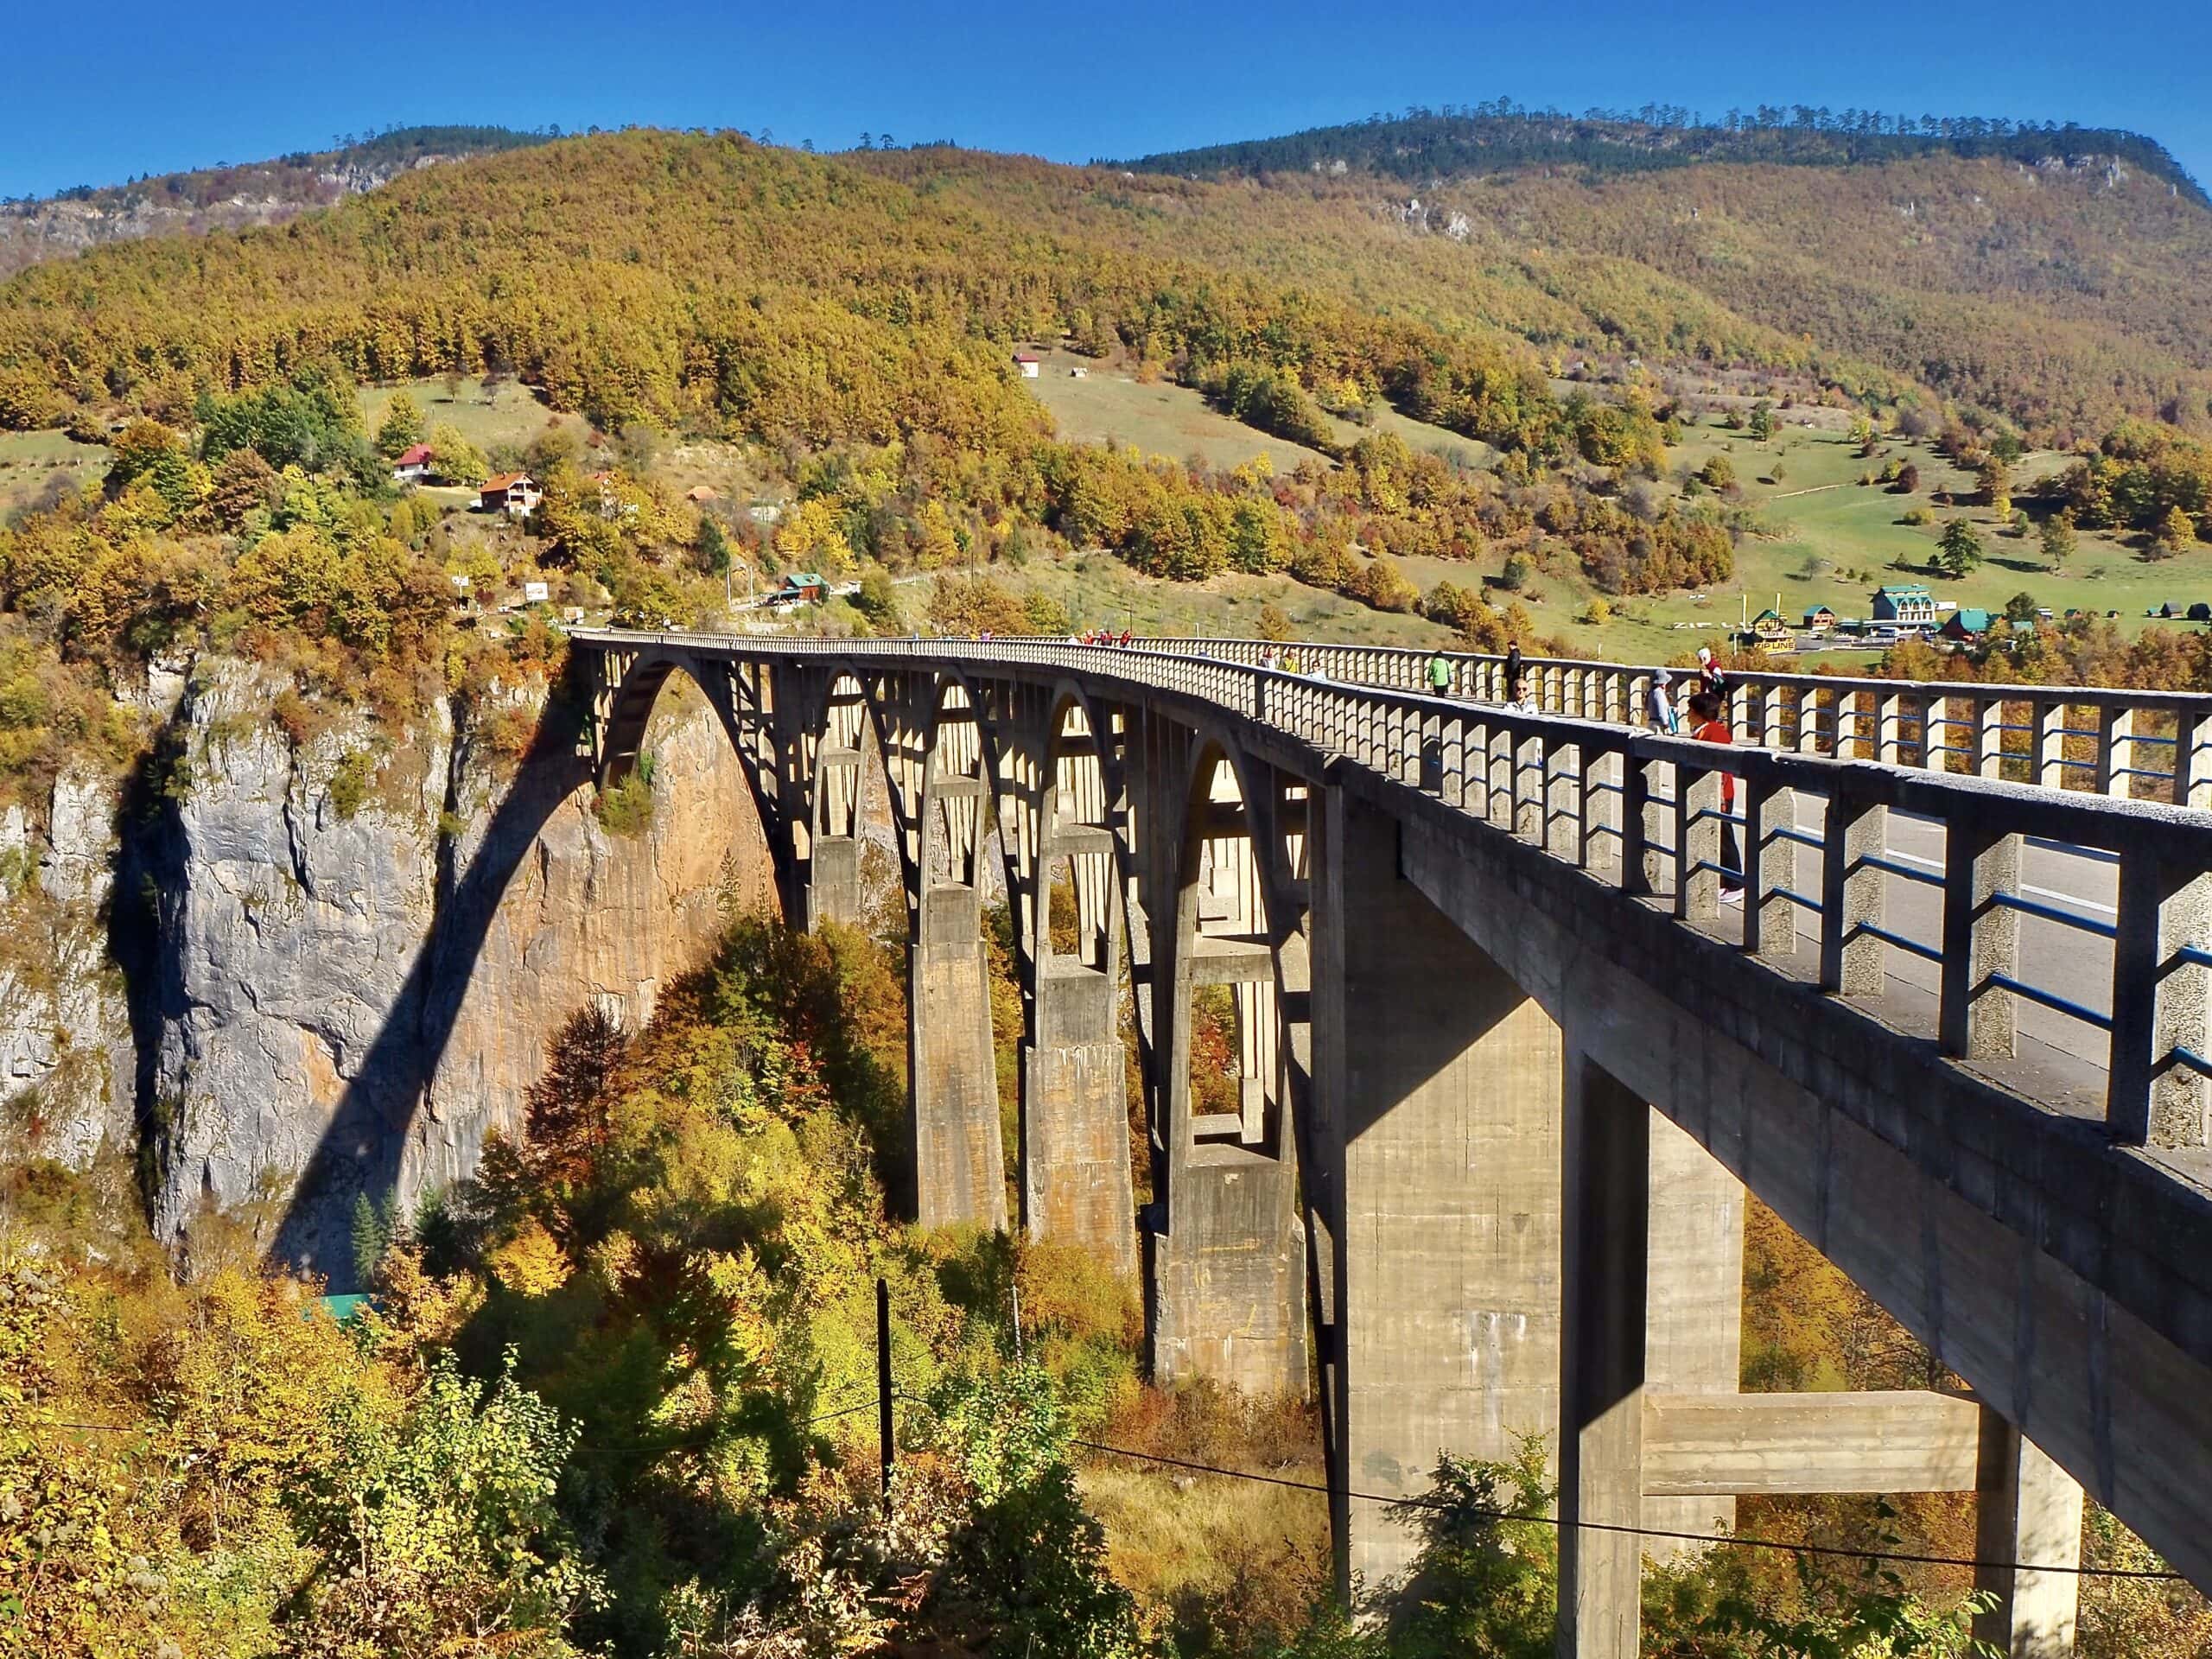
174,86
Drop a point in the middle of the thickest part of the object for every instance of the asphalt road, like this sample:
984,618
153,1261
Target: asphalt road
2070,962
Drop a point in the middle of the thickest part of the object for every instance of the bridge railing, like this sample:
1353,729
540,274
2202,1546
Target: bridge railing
2145,745
1650,816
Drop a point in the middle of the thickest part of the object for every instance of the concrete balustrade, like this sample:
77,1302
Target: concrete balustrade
1505,1057
2149,744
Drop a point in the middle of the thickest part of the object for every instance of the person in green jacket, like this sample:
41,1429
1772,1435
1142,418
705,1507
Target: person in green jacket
1439,674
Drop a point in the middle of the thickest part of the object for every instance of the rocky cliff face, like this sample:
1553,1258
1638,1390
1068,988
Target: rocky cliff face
345,960
66,1060
260,194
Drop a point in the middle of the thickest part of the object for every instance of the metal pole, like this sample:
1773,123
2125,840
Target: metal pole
883,1384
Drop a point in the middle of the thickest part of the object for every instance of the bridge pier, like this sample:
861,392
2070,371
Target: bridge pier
1076,1179
959,1157
832,881
1229,1266
1076,1186
2027,1509
1438,1119
1437,1129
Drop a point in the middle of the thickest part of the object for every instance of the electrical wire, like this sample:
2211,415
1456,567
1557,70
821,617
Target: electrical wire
1731,1540
1645,1532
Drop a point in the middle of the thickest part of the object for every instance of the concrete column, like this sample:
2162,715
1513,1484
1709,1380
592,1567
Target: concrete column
959,1159
2029,1510
1605,1235
2115,751
1076,1184
1980,940
2047,755
1852,892
1694,1330
832,881
1436,1112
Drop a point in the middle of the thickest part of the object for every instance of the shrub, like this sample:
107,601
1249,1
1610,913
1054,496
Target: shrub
349,784
626,808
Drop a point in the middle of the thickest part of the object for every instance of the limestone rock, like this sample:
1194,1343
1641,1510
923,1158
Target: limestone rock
351,1003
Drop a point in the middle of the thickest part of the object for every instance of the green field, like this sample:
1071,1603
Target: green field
1162,418
1157,417
511,418
31,461
1826,523
1098,590
1819,524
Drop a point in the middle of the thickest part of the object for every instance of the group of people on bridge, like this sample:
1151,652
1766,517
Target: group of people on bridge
1707,710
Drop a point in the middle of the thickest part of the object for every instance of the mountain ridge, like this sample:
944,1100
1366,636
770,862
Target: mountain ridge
1426,143
231,196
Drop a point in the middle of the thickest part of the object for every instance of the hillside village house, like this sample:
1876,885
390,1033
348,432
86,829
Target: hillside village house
515,494
1907,603
800,587
1820,620
1029,363
1963,626
413,465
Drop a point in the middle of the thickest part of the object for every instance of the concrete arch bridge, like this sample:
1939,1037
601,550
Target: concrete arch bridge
1508,1053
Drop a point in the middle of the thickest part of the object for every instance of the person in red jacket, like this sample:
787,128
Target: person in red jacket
1708,726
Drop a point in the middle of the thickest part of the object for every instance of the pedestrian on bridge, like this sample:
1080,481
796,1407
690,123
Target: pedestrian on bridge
1514,672
1709,727
1439,674
1659,707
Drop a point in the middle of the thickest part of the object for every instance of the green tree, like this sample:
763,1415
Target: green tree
1960,550
2059,538
445,1523
2021,608
714,546
2176,531
1762,420
1996,480
402,428
455,459
1719,473
878,600
1479,1582
1384,586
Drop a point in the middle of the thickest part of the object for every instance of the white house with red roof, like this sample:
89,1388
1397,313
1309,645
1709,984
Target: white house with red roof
413,465
1029,363
516,494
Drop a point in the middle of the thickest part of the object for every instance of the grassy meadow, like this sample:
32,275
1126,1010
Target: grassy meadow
510,418
31,461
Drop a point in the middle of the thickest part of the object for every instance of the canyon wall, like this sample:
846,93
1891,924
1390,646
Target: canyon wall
304,973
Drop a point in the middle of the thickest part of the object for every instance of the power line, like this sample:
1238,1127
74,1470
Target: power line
1643,1532
1732,1540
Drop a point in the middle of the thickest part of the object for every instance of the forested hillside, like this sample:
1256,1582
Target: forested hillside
2048,277
2053,276
1423,144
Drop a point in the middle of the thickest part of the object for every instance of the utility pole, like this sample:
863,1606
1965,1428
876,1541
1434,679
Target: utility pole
883,1385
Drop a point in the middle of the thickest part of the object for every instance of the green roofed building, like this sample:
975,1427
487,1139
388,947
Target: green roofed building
1908,604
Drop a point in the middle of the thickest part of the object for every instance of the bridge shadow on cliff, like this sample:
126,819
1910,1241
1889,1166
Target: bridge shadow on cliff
361,1147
